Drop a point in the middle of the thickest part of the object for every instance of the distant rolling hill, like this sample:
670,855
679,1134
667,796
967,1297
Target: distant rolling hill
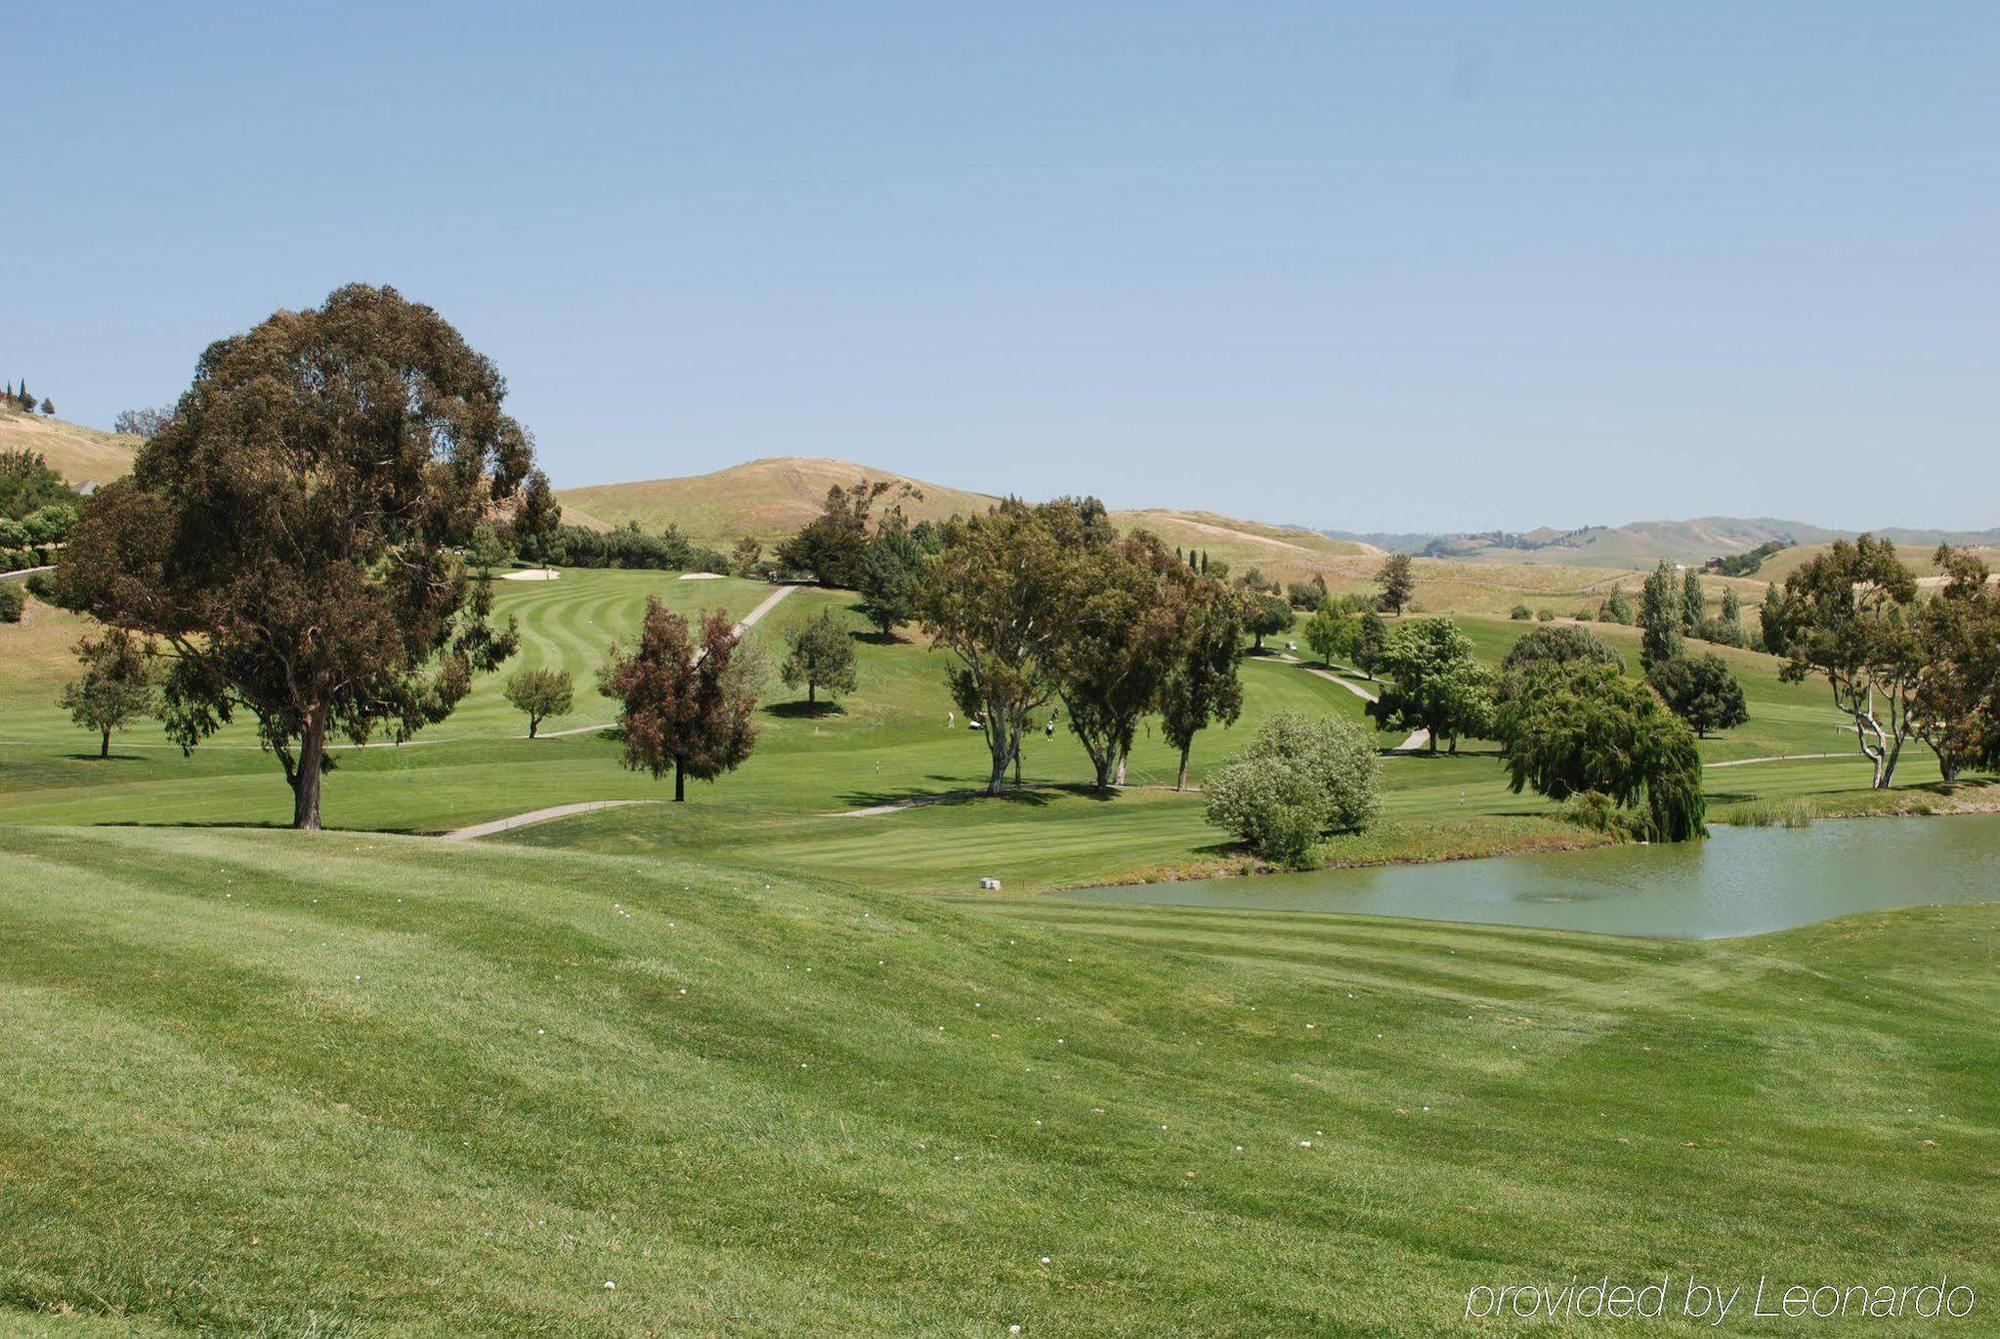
768,498
81,455
773,497
1640,544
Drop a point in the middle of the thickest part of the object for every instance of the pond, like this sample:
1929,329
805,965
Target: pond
1740,881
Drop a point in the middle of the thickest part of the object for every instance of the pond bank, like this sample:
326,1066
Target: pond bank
1740,881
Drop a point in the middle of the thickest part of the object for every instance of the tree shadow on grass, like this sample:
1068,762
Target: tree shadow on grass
98,757
800,711
1032,794
263,825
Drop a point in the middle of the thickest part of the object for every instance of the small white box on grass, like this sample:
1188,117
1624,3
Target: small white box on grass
990,885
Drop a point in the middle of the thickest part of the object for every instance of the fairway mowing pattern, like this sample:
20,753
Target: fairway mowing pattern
372,1084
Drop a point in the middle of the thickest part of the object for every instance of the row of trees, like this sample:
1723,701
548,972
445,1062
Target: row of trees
627,546
145,424
1674,609
22,399
1035,603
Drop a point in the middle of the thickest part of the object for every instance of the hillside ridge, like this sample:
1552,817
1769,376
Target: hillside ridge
80,454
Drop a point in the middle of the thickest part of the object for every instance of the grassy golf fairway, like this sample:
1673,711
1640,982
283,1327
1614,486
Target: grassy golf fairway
885,743
337,1084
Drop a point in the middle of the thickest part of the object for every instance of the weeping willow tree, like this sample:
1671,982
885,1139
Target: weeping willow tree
1579,728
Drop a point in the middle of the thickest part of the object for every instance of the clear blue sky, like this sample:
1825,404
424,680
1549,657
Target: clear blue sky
1357,266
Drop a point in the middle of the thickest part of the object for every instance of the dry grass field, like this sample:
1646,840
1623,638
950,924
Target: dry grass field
81,455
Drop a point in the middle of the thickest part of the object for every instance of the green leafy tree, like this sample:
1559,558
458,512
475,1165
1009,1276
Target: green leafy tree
1371,639
1580,728
1694,604
1771,619
1125,637
1267,616
1561,646
891,576
1000,598
1203,684
27,484
50,524
1660,617
540,694
1330,633
12,602
292,536
1536,652
746,557
1701,691
1398,580
1957,702
119,684
1615,608
819,654
1298,780
486,550
833,546
683,707
1438,685
1850,617
536,530
48,409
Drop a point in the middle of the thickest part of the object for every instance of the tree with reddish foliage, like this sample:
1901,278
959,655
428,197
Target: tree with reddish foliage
683,707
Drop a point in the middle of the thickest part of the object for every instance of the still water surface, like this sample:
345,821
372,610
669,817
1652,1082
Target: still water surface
1740,881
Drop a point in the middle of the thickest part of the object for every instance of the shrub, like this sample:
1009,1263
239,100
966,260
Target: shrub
1307,596
12,602
1584,616
1520,613
1274,806
1595,810
1723,632
1545,615
1298,780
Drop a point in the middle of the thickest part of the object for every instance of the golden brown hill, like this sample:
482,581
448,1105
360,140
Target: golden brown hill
81,455
768,498
773,497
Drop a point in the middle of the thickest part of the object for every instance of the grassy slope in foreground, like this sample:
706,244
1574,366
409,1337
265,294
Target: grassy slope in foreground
81,455
284,1080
